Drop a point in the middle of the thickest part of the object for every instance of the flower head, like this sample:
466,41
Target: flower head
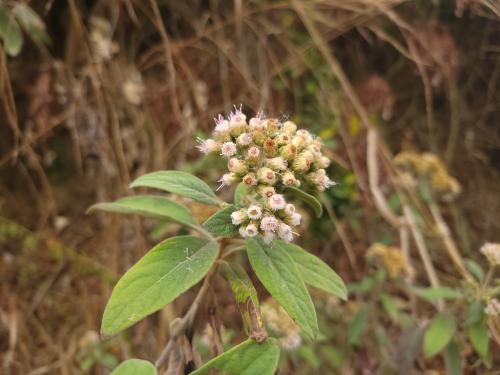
208,146
237,217
228,149
254,212
493,308
277,202
269,224
492,252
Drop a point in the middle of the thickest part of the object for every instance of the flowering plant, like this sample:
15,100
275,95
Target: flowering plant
267,159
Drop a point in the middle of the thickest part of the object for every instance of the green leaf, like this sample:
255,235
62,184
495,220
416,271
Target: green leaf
453,359
280,276
475,313
314,271
474,268
149,206
246,297
164,273
247,358
478,335
220,223
239,194
433,294
438,333
180,183
312,201
357,326
31,22
135,367
10,32
389,306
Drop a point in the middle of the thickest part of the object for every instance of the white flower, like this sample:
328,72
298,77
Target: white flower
237,217
277,163
243,232
266,191
269,237
289,209
227,179
251,230
237,118
295,219
253,152
269,224
266,176
228,149
208,146
244,139
285,232
249,179
237,166
493,308
492,252
254,212
256,122
221,124
304,134
290,342
277,202
323,162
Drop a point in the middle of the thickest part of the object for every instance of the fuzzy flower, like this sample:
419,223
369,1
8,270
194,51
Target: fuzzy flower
208,146
492,252
295,219
228,149
289,209
277,202
244,139
243,231
254,212
251,230
238,217
493,308
221,124
250,179
227,179
266,191
269,237
237,166
269,224
253,152
257,122
285,232
289,179
266,176
277,164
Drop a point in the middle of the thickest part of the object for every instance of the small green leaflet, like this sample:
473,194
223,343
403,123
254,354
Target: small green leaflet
31,22
453,359
180,183
478,335
357,326
312,201
280,276
247,358
438,333
164,273
10,32
220,223
149,206
433,294
314,271
135,367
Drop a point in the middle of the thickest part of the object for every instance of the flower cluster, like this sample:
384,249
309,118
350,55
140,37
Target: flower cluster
493,308
429,166
267,155
492,252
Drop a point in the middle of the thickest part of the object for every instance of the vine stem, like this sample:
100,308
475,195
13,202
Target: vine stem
187,319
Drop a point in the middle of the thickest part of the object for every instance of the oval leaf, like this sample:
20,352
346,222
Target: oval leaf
165,272
31,22
314,271
178,182
311,200
135,367
220,223
280,276
247,358
478,334
438,334
453,359
10,32
149,206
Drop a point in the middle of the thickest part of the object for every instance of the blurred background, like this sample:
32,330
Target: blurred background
405,95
